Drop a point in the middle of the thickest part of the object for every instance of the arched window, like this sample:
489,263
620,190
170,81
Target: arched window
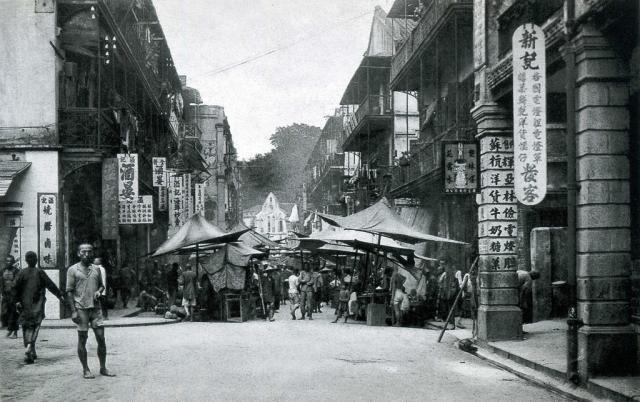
281,226
268,226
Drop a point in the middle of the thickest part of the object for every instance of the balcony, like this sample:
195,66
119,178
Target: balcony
331,162
422,163
375,108
78,128
428,25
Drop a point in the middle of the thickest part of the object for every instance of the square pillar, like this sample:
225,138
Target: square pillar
499,317
607,343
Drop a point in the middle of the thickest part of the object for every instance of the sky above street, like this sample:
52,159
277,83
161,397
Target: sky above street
270,63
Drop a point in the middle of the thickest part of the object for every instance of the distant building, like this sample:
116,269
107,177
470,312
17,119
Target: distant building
271,219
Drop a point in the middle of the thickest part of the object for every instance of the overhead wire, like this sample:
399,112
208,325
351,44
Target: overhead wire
278,48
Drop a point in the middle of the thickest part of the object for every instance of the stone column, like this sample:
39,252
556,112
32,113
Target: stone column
607,344
499,317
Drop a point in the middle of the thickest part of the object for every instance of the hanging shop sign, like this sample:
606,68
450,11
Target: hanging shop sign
110,180
162,198
199,201
529,114
176,202
47,229
159,173
127,177
460,167
188,198
138,212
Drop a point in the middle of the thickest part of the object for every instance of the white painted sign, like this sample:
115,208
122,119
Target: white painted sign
176,202
47,229
137,212
529,114
127,177
199,198
159,173
162,197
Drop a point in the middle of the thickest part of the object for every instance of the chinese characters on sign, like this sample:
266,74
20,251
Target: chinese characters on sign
138,212
188,199
162,198
159,172
529,114
47,229
199,198
127,177
497,210
460,167
176,202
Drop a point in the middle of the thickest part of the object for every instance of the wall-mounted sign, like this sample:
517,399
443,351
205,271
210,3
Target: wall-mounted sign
460,160
127,177
138,212
529,114
47,229
159,173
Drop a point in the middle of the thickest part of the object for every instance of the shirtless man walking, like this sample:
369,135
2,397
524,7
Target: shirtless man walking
84,287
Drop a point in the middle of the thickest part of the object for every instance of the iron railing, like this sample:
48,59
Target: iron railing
432,15
373,105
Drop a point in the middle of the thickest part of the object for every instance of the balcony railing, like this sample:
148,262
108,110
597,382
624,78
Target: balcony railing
331,161
78,127
373,105
432,15
423,160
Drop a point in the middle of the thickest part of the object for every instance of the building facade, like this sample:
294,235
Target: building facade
272,218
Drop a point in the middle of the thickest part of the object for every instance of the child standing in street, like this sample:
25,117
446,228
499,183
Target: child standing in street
343,299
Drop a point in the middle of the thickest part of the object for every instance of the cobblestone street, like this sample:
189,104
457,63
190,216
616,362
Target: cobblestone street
283,360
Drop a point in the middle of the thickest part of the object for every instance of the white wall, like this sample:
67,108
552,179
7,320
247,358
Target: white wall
28,63
41,177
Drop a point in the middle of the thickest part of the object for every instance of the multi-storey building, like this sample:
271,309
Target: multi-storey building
432,68
325,170
592,113
87,80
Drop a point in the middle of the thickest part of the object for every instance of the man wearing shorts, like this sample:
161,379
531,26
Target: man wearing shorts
294,295
84,287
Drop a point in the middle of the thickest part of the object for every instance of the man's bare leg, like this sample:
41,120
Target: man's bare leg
82,354
102,351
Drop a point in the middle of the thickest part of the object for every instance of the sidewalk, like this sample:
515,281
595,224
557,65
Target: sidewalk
541,357
129,317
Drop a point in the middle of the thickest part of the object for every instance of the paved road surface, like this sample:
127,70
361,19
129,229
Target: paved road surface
282,360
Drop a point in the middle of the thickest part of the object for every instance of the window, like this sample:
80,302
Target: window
281,226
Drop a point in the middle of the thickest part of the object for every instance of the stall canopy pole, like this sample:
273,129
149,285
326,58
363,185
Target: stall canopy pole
455,303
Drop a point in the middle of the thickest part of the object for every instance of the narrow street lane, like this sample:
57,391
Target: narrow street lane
256,360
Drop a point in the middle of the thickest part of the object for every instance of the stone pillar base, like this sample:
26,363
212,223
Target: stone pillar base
499,323
606,351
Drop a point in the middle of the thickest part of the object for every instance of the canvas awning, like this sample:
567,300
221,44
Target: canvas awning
254,239
380,218
197,231
226,268
9,170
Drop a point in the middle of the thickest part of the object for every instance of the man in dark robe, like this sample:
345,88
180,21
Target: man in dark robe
29,294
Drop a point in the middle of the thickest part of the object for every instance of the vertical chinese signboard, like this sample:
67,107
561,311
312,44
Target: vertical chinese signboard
47,229
529,114
176,202
127,177
460,167
162,197
188,199
497,210
199,204
159,173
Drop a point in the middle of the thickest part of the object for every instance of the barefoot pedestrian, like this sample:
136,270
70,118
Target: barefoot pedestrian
84,286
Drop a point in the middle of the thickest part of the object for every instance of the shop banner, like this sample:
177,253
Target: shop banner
159,172
460,167
137,213
47,229
162,198
529,114
199,204
176,202
127,177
